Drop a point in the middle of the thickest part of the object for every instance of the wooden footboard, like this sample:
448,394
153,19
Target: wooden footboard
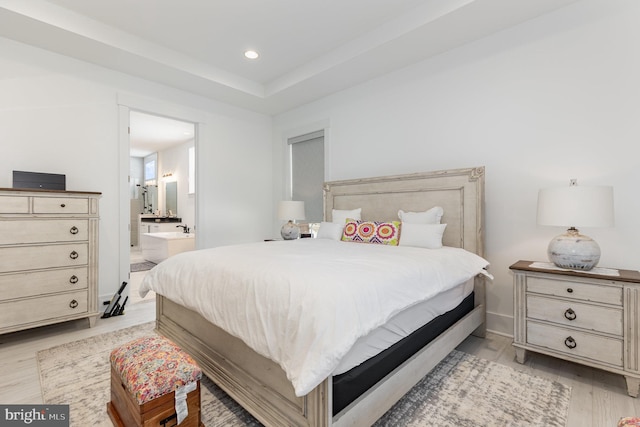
261,386
255,382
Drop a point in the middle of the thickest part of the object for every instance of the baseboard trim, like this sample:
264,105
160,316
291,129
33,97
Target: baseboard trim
500,324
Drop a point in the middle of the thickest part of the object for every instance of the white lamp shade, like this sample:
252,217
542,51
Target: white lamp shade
290,210
576,206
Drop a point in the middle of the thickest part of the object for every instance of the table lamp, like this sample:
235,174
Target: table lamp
290,210
575,206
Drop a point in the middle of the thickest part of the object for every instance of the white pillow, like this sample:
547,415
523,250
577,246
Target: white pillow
432,216
422,235
340,216
330,230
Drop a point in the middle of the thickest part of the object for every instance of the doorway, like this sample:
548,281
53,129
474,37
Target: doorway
159,197
160,170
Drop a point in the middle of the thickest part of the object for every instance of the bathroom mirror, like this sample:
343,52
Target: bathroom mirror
171,198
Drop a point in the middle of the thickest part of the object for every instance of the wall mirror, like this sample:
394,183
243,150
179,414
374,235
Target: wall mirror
171,198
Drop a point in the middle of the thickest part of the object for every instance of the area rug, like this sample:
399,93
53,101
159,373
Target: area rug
463,390
142,266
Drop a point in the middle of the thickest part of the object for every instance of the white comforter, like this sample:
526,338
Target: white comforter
304,303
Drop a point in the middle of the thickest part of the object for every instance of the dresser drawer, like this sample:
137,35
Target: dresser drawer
22,258
575,290
14,205
585,345
43,231
34,310
19,285
60,205
576,314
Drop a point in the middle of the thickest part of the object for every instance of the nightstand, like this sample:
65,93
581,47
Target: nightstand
583,317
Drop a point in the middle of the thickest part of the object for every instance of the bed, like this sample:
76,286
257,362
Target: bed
262,386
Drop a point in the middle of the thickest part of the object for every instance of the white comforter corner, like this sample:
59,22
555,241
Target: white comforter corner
304,303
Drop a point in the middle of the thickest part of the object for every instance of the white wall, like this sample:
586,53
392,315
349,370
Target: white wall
61,115
234,165
552,99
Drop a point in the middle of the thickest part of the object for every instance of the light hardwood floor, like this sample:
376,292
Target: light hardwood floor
598,398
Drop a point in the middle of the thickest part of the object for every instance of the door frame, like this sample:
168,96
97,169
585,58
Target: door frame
126,104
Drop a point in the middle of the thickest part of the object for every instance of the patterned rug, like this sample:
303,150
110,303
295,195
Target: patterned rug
462,390
142,266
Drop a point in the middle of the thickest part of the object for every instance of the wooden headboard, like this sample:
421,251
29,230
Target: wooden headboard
460,192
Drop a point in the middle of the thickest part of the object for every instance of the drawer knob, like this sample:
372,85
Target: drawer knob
570,342
73,279
570,290
73,255
74,230
73,303
62,205
569,314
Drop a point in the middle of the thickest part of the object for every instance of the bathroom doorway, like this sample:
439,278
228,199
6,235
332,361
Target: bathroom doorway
160,172
161,193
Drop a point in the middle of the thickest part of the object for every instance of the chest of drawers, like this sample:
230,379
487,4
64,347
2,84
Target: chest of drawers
48,257
583,317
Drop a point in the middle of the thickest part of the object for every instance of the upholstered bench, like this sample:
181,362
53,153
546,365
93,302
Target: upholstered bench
154,383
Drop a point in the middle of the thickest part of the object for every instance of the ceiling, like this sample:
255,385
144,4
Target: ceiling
308,49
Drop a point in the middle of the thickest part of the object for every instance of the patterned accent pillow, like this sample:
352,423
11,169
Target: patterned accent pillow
384,233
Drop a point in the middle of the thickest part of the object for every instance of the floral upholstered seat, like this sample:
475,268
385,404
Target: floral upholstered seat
151,367
629,422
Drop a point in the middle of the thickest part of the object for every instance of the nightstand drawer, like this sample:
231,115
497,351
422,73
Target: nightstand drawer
576,314
60,205
575,290
575,343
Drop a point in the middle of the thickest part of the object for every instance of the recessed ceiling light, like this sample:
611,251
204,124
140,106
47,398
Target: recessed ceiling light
251,54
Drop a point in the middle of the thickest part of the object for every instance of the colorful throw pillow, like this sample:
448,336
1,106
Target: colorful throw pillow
385,233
